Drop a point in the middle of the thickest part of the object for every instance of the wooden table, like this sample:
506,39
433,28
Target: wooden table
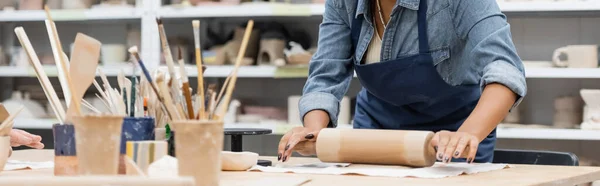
518,175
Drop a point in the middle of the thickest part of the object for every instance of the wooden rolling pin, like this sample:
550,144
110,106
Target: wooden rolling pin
383,147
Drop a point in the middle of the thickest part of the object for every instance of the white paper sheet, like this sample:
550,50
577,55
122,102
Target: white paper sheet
439,170
19,165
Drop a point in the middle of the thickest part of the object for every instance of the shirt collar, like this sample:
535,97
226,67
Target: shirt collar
363,5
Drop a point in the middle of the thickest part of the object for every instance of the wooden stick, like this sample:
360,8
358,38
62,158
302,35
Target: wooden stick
186,86
223,88
167,53
238,62
90,106
57,107
104,102
58,56
164,90
63,63
200,88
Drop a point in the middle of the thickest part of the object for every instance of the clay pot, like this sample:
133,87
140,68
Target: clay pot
77,4
134,129
98,141
198,146
567,112
65,153
271,52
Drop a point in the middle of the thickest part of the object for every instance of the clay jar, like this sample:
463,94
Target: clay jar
98,141
134,129
198,146
65,153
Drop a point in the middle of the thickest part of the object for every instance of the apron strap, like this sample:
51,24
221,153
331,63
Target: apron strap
422,22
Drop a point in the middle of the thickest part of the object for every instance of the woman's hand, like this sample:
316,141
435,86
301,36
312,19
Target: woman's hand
20,137
455,145
299,139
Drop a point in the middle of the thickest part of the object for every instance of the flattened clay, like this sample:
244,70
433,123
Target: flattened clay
198,146
238,161
98,141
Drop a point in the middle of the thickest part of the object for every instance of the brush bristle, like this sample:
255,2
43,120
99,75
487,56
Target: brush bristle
133,49
158,21
196,23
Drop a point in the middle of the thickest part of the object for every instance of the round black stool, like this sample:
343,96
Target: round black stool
237,141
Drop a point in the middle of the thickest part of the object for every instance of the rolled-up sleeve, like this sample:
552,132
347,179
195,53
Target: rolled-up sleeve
489,45
331,68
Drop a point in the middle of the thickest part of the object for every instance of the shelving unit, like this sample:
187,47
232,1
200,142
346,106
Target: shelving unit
580,27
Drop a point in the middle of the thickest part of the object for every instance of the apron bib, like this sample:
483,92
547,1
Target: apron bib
409,94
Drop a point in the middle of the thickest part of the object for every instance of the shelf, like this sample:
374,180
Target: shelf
287,72
284,9
72,15
51,71
243,10
279,129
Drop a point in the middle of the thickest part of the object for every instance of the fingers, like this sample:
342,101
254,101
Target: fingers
282,143
18,139
443,139
33,137
460,147
296,138
36,145
451,148
473,145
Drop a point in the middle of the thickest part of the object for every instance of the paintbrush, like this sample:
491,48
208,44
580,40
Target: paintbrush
199,67
238,62
167,54
186,85
55,103
134,52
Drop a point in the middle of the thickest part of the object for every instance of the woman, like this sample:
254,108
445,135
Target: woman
447,66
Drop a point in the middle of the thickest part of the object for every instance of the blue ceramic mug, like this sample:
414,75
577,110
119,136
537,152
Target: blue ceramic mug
136,129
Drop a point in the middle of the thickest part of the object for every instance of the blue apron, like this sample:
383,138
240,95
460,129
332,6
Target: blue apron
409,94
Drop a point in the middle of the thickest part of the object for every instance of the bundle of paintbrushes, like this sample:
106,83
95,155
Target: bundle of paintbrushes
169,95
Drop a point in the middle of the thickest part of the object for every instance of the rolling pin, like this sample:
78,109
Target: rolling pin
382,147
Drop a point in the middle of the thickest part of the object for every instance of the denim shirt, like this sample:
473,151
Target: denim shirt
470,44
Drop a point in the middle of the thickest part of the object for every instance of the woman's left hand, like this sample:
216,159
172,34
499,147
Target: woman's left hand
455,145
20,137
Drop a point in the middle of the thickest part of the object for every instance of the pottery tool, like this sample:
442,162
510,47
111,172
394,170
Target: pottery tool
90,106
134,52
135,103
127,95
168,101
55,103
167,54
382,147
58,56
3,113
63,61
238,62
199,67
7,124
186,86
85,56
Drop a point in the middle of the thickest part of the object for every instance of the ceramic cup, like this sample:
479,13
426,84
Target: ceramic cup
143,153
98,143
5,150
30,4
76,4
578,56
113,53
198,146
134,129
65,153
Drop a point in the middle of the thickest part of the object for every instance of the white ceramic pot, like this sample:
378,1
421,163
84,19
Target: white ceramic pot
77,4
113,53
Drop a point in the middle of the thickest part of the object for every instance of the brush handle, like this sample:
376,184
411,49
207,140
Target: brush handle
149,78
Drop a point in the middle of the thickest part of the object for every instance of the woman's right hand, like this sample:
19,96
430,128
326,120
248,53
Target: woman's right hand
303,139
